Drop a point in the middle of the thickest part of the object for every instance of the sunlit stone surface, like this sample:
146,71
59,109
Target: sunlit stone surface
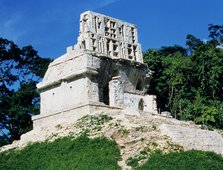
103,70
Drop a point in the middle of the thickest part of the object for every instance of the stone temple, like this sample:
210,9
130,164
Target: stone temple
104,70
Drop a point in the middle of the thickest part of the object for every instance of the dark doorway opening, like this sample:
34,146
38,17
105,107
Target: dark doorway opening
141,105
139,85
106,94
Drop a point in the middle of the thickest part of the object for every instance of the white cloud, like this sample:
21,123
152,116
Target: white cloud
107,2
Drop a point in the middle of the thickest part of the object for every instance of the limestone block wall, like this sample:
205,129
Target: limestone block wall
140,102
50,103
116,92
92,89
85,78
64,96
62,69
150,104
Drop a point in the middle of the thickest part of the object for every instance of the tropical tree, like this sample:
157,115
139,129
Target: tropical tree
189,81
20,70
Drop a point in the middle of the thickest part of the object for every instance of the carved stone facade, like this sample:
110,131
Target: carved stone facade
109,37
104,70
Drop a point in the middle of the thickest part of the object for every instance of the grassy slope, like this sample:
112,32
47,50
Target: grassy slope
188,160
81,153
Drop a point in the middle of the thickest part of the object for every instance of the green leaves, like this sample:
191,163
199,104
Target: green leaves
216,34
20,70
190,83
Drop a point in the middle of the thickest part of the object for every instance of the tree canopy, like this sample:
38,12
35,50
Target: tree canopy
20,70
189,81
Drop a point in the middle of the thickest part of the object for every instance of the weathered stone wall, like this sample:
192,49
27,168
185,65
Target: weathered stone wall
86,78
146,103
194,138
109,36
64,96
104,65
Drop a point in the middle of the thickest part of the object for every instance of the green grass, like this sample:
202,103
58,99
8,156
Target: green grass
83,153
188,160
80,153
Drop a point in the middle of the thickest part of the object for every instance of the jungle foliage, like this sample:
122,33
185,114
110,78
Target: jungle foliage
20,70
188,82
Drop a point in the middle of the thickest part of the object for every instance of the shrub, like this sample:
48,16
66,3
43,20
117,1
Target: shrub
188,160
67,153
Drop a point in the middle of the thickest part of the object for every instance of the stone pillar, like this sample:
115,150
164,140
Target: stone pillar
139,56
93,91
88,41
111,48
116,92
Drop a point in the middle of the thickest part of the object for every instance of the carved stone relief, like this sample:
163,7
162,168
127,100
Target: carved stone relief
108,36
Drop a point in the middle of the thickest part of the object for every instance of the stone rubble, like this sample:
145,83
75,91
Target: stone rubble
132,133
